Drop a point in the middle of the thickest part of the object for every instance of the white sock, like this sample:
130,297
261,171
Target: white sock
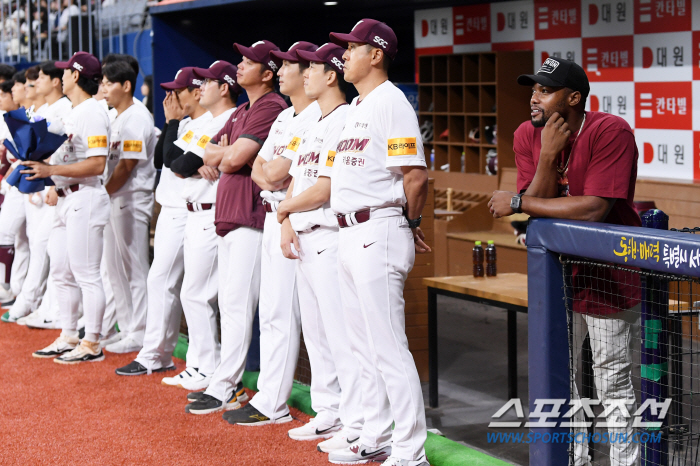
92,337
70,333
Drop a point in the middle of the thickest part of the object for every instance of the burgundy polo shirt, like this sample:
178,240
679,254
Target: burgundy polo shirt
603,163
238,201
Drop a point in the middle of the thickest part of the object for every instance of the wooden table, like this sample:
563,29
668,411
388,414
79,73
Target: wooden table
507,291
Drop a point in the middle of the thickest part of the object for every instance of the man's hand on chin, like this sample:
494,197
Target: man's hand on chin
499,205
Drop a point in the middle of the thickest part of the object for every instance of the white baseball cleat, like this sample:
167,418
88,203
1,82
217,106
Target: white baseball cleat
313,431
340,441
125,345
36,320
176,380
6,296
198,381
358,453
61,345
394,461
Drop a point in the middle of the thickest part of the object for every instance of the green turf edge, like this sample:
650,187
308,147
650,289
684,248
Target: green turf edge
439,450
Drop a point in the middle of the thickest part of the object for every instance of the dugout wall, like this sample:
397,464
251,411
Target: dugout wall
667,264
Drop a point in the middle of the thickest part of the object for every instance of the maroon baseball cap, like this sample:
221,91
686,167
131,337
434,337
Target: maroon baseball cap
85,63
185,77
372,32
290,55
260,52
221,71
327,53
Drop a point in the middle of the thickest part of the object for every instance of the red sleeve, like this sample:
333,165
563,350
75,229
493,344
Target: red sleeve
228,127
261,118
524,160
613,157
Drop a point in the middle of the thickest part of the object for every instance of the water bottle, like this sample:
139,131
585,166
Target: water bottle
491,259
478,258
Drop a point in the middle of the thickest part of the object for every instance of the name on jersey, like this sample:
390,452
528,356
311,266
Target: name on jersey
97,141
330,159
203,141
133,146
188,136
353,145
402,146
309,159
294,144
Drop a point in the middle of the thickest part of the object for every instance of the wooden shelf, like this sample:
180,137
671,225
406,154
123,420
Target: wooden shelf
463,95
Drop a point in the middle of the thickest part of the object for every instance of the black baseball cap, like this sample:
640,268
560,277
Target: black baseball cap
557,72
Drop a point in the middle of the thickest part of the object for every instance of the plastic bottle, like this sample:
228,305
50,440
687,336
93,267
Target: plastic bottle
478,258
490,259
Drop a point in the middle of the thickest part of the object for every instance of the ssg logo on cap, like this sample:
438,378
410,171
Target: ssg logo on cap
548,66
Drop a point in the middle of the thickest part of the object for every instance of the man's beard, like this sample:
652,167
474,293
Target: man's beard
539,123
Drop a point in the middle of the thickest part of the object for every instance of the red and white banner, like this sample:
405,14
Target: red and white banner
642,58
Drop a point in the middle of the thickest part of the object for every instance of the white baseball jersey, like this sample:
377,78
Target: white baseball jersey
197,189
112,112
315,158
87,127
381,135
285,136
170,187
132,138
55,114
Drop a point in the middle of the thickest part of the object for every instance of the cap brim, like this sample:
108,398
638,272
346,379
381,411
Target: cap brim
245,51
284,56
530,79
204,73
343,39
64,65
304,56
171,86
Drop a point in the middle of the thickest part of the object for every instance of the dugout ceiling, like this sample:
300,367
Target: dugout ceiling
195,33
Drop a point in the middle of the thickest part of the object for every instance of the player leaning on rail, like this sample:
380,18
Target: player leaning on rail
580,165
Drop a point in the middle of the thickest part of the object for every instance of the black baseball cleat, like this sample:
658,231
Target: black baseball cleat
208,404
249,416
136,368
241,395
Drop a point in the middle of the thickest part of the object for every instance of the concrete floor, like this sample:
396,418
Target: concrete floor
473,378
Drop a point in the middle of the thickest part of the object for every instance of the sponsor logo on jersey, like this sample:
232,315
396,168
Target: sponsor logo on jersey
402,146
203,141
294,143
330,159
353,145
133,146
309,159
188,136
97,141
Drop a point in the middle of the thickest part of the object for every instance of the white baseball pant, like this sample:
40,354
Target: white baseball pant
75,249
374,259
164,285
612,338
199,291
13,233
239,291
279,324
335,382
39,222
127,258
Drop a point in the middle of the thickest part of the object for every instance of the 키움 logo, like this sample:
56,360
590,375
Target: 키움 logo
358,23
260,42
548,66
380,41
178,73
217,61
337,63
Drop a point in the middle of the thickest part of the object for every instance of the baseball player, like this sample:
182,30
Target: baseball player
37,100
130,184
312,227
200,284
44,82
279,306
379,187
19,92
184,116
239,221
14,244
75,245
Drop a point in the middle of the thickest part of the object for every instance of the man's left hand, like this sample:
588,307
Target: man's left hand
37,170
499,205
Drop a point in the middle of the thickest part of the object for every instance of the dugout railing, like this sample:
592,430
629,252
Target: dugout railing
651,275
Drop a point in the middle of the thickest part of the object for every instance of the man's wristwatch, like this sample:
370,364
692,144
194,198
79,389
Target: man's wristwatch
414,223
516,203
